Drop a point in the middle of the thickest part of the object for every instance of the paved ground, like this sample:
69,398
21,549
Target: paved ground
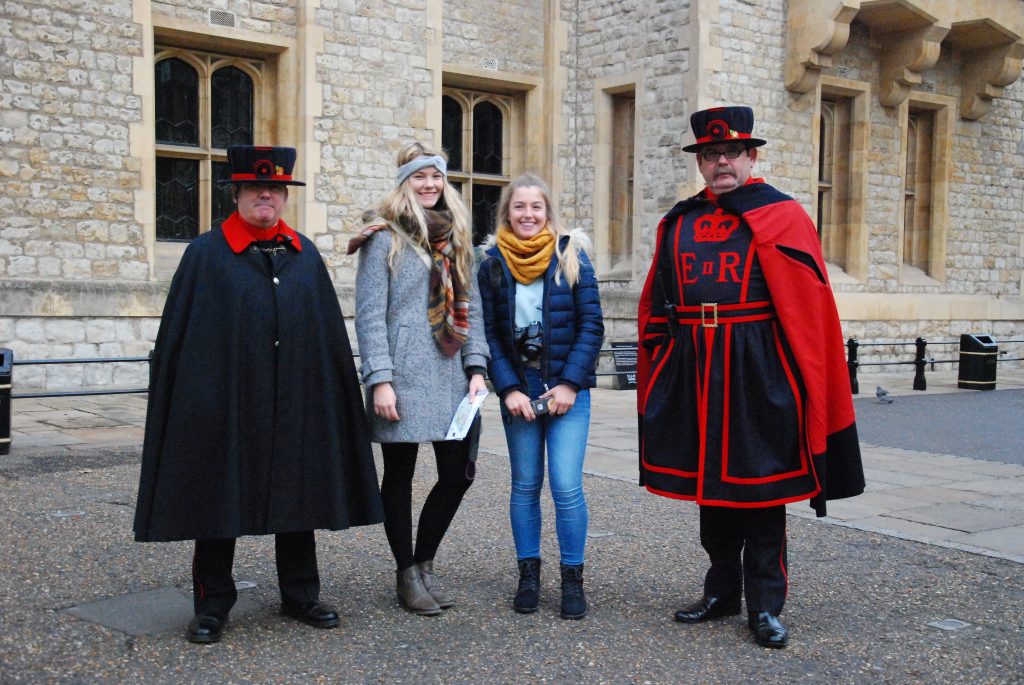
936,543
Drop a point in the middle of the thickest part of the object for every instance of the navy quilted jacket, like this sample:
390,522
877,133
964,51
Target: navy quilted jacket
573,325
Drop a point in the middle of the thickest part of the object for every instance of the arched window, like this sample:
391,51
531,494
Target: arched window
204,103
231,108
478,155
451,131
177,102
488,146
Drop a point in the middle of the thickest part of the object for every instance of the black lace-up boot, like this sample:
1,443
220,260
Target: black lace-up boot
574,602
528,593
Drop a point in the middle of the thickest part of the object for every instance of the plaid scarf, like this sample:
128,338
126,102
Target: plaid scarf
448,300
372,226
526,259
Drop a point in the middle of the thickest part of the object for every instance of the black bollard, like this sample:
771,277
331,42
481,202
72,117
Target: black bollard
919,363
852,364
6,375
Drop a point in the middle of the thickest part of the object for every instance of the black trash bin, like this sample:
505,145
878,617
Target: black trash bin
978,354
6,365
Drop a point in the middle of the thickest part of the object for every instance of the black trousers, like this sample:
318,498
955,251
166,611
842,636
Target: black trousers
454,459
747,548
213,588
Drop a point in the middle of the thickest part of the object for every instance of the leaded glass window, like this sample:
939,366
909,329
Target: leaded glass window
204,103
488,150
485,210
177,102
231,108
475,132
451,131
177,198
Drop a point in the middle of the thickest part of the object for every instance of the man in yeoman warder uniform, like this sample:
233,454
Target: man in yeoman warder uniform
743,392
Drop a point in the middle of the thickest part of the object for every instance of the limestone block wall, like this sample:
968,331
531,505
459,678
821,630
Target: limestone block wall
78,338
505,35
643,45
66,176
377,86
751,38
271,16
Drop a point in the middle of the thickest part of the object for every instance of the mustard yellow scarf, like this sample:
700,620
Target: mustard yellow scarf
526,259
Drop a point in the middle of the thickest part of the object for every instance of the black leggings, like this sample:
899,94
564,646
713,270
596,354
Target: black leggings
452,457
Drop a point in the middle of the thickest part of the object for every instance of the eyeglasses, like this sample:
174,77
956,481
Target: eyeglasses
715,155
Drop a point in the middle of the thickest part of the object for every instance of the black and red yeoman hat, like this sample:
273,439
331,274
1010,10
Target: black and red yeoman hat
257,164
723,125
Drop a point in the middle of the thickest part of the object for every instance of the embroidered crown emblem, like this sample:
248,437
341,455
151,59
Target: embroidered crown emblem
715,228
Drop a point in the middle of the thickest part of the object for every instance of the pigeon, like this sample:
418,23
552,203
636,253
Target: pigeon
883,395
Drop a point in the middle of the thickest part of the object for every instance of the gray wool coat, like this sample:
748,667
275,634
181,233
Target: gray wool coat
396,344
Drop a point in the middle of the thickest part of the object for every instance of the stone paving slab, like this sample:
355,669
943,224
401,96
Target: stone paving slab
871,502
958,516
993,486
1002,502
901,478
151,612
932,493
1010,539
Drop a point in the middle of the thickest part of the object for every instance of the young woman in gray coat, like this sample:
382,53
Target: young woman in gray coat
422,345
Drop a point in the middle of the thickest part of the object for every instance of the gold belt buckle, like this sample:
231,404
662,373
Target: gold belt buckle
711,307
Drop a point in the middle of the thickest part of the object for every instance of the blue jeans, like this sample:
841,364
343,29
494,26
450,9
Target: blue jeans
566,440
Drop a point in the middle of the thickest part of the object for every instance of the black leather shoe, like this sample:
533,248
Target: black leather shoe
709,608
768,631
313,614
205,629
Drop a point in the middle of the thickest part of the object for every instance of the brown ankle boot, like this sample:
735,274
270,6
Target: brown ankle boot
412,595
433,587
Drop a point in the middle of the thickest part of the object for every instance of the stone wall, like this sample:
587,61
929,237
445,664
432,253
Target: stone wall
641,42
273,16
506,35
67,207
377,88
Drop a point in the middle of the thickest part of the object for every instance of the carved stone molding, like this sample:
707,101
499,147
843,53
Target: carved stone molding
992,56
986,37
905,56
817,29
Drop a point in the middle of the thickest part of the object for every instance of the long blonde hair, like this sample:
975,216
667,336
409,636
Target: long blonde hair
568,255
401,210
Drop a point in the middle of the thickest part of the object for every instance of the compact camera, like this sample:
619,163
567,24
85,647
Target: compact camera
541,407
530,340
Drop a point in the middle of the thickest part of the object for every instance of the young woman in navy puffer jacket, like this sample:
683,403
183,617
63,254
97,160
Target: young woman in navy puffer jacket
544,327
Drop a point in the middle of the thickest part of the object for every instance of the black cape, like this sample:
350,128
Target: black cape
255,423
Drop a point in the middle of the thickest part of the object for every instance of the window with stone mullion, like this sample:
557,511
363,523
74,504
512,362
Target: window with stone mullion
204,104
478,152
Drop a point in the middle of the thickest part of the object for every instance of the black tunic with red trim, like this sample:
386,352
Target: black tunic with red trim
734,387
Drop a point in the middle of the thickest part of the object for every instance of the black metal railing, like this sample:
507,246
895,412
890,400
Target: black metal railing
920,361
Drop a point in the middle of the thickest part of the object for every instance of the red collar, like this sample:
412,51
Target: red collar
711,197
240,234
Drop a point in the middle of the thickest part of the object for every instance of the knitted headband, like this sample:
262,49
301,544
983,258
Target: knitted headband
410,168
